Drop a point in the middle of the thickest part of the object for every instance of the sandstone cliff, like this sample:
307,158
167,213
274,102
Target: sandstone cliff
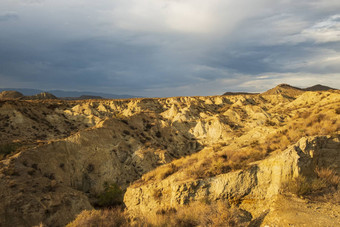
261,180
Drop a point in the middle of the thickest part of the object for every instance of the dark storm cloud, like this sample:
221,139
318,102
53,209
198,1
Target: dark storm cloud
8,16
86,63
254,60
164,48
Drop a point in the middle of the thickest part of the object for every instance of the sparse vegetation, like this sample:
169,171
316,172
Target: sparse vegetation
303,121
329,176
8,149
337,111
201,138
157,194
300,186
126,132
326,181
111,196
161,173
196,214
88,218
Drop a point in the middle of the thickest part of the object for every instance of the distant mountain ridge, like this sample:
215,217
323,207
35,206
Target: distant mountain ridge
69,94
291,91
15,95
10,94
319,87
239,93
286,89
40,96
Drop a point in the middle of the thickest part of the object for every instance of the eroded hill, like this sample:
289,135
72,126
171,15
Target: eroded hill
59,155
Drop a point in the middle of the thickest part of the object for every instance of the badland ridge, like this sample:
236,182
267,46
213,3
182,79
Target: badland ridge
238,159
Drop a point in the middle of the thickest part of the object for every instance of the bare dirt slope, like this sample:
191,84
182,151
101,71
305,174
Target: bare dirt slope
294,211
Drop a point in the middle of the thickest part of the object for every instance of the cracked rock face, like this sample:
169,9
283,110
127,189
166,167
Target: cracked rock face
260,181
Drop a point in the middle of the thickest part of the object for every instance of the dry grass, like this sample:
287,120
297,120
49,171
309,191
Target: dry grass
222,158
160,173
300,186
329,176
201,214
196,214
100,218
207,163
211,161
325,184
306,123
224,161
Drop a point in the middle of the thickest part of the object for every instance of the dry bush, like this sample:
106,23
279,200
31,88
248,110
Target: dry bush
315,126
299,186
269,123
337,111
224,161
167,171
219,167
200,214
241,158
326,181
333,197
304,114
196,173
210,166
329,176
100,218
157,194
159,173
307,123
196,214
220,158
330,186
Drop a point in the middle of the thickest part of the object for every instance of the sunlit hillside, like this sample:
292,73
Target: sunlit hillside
231,160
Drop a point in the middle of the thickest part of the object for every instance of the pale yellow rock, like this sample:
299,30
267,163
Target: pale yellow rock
261,181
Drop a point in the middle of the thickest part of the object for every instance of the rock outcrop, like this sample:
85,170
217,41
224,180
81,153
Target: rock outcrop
261,180
11,95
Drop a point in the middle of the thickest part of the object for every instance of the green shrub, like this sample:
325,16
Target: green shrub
111,196
7,149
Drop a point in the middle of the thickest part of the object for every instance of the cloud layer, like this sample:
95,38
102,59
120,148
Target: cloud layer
169,47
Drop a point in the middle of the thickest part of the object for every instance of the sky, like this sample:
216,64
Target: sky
161,48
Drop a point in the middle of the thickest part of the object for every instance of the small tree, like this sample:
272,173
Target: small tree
111,196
